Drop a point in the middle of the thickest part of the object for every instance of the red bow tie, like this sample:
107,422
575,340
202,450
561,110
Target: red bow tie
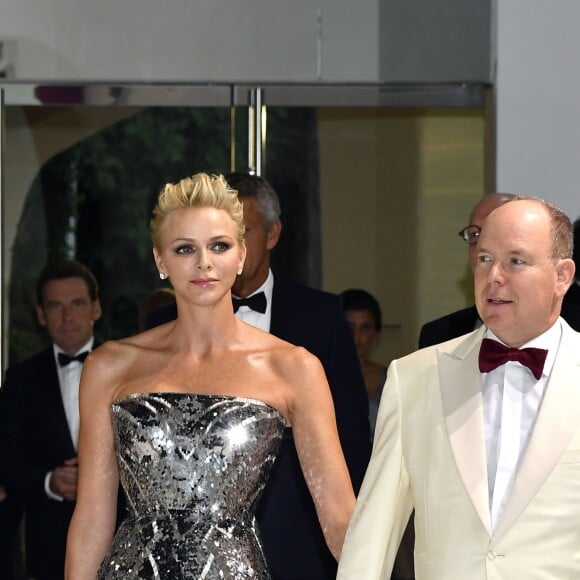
492,354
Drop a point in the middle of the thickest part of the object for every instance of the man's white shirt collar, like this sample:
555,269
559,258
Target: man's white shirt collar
87,346
258,319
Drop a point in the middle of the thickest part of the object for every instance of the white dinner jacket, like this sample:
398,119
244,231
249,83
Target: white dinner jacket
429,454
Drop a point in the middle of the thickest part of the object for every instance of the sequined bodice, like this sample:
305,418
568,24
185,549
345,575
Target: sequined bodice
193,468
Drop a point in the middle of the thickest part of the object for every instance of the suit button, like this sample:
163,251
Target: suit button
492,555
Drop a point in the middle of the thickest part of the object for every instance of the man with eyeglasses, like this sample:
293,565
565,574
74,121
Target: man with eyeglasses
464,321
573,294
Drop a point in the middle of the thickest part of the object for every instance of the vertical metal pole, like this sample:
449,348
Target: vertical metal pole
258,130
262,137
255,132
3,333
232,138
251,128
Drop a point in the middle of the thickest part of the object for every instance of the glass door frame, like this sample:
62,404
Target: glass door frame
256,98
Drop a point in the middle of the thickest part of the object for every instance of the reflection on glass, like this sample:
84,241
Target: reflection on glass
378,192
93,201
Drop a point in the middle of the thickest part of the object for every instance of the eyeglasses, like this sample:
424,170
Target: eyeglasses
470,234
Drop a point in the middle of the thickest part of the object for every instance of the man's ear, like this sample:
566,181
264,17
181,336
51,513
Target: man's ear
97,310
40,316
565,272
274,234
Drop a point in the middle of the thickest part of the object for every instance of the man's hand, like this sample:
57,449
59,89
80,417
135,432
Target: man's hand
63,481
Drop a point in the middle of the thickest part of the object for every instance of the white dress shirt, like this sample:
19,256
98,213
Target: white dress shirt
69,378
259,319
512,398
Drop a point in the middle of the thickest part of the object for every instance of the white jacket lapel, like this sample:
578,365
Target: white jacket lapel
462,408
558,420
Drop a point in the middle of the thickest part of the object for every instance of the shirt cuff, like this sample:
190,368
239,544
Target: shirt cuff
47,489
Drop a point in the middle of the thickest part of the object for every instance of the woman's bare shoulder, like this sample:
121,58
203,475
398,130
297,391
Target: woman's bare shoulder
285,357
117,356
295,360
149,339
115,350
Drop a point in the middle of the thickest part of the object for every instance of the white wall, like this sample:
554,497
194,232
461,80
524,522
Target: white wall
538,100
294,41
192,40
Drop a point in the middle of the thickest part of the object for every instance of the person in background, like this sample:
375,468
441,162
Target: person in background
190,416
481,434
293,542
467,319
364,317
572,298
39,417
10,520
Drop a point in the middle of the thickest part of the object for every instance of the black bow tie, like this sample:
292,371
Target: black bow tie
256,302
492,354
64,359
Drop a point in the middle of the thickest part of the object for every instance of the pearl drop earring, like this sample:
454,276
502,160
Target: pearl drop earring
162,275
239,271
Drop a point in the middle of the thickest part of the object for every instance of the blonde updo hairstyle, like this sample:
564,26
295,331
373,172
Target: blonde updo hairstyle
200,190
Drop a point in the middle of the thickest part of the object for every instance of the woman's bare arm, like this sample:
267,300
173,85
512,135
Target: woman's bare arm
318,446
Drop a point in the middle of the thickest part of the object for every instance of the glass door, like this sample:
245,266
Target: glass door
374,182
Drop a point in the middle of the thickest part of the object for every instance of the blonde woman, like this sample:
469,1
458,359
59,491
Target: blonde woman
189,416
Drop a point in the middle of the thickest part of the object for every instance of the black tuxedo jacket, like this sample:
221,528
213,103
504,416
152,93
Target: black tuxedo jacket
10,517
463,321
34,439
448,327
291,535
573,294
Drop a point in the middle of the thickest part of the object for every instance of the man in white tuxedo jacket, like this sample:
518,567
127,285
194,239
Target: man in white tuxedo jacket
489,459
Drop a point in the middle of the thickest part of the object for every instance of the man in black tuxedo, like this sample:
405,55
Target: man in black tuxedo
572,297
293,542
464,321
39,415
10,518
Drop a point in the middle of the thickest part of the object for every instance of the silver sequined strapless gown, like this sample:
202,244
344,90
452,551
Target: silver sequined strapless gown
193,468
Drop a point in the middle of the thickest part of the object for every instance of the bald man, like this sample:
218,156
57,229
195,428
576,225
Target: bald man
481,434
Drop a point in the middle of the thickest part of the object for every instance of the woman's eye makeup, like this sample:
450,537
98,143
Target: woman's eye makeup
184,249
217,246
221,246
